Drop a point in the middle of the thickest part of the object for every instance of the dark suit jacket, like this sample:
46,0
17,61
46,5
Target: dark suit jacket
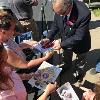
78,38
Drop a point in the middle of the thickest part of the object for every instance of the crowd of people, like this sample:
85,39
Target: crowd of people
69,21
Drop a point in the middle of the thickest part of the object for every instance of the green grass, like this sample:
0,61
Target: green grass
96,12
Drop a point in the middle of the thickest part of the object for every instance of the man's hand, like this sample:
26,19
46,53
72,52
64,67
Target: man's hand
56,45
49,54
45,42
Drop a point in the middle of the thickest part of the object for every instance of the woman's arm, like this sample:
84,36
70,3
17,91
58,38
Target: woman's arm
18,62
49,89
27,44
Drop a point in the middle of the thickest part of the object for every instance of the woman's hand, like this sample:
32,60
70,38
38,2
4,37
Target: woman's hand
49,54
51,88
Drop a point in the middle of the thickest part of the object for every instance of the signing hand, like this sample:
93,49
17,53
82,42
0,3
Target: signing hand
44,42
56,45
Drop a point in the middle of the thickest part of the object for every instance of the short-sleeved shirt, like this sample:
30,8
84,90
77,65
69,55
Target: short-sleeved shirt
11,44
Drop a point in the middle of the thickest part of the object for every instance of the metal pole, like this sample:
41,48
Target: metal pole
42,11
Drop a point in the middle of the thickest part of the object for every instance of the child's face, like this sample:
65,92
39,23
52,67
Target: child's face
7,28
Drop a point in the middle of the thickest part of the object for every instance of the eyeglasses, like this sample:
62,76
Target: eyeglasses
5,22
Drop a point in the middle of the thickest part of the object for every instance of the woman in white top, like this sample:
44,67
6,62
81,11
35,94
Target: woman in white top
16,57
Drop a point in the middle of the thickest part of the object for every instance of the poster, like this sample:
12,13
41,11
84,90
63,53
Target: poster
46,73
66,92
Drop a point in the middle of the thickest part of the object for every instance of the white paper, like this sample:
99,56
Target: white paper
41,49
66,92
46,73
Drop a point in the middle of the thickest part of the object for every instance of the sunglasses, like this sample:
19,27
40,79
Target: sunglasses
5,22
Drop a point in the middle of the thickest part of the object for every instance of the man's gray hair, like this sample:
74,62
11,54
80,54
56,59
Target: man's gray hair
63,3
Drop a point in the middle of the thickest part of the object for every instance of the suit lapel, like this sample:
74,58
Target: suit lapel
61,22
74,13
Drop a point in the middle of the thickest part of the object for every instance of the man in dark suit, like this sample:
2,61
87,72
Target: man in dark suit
71,20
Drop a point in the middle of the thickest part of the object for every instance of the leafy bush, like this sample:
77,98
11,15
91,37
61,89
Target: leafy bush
96,12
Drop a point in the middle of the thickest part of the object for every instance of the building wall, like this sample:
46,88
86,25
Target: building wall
48,12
